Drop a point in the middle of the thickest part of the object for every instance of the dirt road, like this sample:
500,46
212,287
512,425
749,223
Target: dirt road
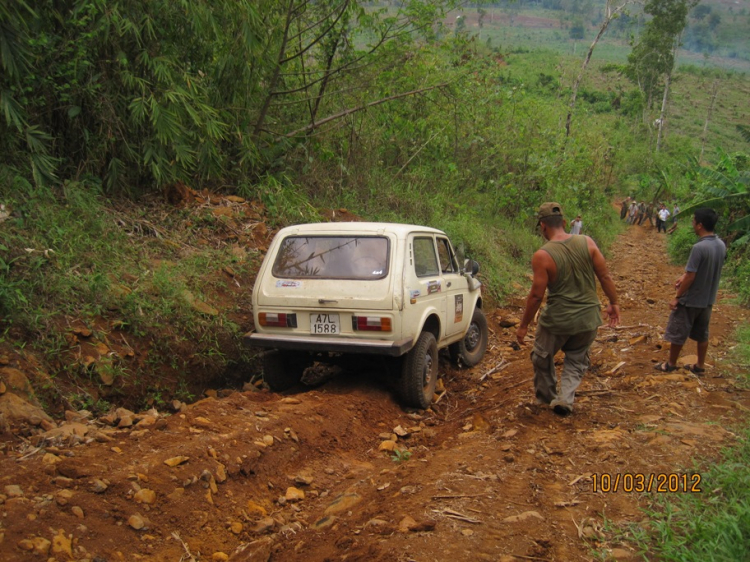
485,474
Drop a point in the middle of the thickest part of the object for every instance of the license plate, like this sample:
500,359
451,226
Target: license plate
325,324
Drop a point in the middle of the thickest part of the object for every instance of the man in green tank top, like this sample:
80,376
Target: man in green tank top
565,268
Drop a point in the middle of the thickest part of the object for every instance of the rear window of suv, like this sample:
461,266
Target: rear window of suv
332,257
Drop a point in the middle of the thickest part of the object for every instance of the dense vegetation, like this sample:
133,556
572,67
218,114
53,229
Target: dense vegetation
402,111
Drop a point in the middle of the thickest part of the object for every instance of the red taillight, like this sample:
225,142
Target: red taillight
371,323
277,319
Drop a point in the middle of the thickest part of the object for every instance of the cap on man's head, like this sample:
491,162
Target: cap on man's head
549,210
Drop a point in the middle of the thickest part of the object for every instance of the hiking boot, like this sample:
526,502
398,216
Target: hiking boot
561,408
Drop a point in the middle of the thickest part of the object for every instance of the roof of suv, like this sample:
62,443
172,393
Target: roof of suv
400,230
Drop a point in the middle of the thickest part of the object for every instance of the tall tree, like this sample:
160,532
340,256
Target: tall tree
665,97
652,57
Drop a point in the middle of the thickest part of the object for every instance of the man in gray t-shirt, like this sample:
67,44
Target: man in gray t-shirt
695,294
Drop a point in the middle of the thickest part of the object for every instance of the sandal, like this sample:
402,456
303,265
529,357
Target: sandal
665,367
695,369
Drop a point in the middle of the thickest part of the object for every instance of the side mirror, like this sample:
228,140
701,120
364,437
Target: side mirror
470,266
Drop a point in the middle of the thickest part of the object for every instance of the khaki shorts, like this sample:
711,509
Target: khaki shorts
688,322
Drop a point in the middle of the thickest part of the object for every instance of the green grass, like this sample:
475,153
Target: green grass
680,243
69,256
738,273
741,355
693,82
711,526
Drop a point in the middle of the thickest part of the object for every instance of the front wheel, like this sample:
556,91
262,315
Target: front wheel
471,348
419,372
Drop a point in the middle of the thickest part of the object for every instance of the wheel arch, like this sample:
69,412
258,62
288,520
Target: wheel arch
432,324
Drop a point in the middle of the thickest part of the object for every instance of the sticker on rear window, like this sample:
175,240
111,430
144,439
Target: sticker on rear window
288,284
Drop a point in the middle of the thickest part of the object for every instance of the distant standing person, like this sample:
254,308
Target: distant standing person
661,218
632,212
641,212
695,294
624,208
567,266
576,225
650,214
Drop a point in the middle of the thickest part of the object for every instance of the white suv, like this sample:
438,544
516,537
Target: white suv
331,289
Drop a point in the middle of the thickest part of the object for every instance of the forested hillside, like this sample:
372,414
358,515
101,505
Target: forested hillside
426,112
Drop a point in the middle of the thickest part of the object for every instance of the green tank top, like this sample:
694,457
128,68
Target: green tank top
572,303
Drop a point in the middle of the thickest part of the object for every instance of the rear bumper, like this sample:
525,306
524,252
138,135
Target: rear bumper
337,345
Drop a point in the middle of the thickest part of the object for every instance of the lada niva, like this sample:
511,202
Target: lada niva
329,290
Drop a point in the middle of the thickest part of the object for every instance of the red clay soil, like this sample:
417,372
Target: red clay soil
484,474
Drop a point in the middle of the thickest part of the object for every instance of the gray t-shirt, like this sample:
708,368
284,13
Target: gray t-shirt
706,260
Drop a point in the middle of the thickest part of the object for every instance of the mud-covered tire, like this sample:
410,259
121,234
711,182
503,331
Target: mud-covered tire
470,350
419,373
283,369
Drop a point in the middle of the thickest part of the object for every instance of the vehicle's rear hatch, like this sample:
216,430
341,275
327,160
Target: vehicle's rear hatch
327,272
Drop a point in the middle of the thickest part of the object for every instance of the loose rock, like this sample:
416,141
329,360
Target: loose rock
137,522
176,461
144,495
294,494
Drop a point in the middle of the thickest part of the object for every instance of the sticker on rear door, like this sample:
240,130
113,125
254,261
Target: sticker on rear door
459,315
288,284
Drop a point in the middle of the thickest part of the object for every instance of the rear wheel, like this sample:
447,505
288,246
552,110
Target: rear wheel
419,372
471,348
283,369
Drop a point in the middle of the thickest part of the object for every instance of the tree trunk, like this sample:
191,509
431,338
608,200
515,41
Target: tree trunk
667,83
715,88
276,73
663,111
610,16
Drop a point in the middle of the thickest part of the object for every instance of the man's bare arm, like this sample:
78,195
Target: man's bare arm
605,280
541,262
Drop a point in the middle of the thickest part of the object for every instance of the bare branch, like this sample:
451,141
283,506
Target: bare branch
321,20
361,107
317,39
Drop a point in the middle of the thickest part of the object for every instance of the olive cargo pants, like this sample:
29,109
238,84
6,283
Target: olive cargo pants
576,349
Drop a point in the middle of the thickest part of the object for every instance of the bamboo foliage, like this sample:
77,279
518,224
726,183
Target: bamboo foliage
149,92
